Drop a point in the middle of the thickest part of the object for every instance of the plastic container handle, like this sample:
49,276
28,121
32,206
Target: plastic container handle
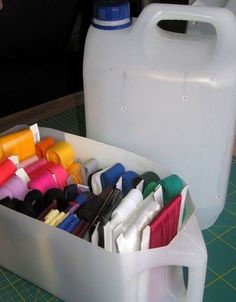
188,250
196,271
216,3
222,19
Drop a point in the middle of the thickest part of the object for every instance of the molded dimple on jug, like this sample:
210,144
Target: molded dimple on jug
178,93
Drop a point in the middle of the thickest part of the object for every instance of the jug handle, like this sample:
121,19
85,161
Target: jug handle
187,250
196,272
222,19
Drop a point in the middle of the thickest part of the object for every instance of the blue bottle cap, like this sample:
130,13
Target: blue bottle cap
111,14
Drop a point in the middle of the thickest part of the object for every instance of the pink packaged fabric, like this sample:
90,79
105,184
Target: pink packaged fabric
163,227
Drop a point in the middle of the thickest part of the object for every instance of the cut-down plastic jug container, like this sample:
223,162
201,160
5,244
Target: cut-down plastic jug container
74,269
168,96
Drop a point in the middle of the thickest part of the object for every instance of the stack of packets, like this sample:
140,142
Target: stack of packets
111,207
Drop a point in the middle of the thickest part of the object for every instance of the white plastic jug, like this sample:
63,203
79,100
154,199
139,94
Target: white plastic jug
168,96
204,28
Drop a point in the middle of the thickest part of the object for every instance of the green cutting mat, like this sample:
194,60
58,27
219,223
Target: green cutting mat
220,239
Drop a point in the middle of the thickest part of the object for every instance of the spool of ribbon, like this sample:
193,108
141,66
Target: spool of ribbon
28,161
72,225
8,202
128,181
57,195
43,182
50,214
137,181
25,207
4,192
59,172
35,197
44,145
66,222
36,167
58,219
149,177
111,176
149,188
73,208
96,183
89,168
81,229
71,192
82,198
50,217
61,153
17,187
171,186
75,172
20,143
7,170
90,180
